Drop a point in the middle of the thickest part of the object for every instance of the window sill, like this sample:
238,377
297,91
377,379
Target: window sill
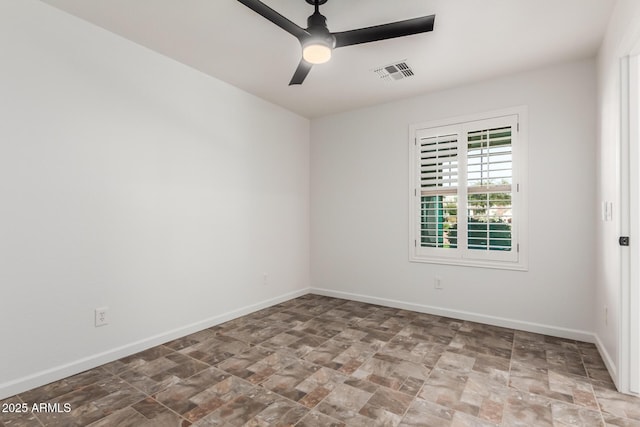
499,265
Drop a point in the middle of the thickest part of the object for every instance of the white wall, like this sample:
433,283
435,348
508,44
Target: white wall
130,181
359,206
623,32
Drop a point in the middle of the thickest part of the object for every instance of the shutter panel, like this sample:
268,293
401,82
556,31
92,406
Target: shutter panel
439,179
489,189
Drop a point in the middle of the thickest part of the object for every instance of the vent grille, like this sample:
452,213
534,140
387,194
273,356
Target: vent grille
396,71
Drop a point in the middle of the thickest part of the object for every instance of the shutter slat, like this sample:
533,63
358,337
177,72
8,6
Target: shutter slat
438,191
489,189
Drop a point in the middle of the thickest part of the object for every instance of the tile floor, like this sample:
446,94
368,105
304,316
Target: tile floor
319,361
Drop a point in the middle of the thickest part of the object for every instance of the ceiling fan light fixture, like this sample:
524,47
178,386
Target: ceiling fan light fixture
316,52
318,42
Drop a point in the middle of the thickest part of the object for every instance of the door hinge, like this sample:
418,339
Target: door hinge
415,243
517,188
518,126
518,247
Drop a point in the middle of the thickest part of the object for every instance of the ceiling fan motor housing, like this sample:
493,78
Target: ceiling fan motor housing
317,27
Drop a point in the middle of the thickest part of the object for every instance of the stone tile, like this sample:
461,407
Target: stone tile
150,354
150,408
297,343
600,375
322,328
184,368
391,401
461,419
455,362
216,349
390,371
127,417
375,337
64,386
528,379
316,308
527,409
406,348
237,412
344,403
429,333
360,309
316,419
484,339
257,332
153,376
561,344
285,382
322,377
180,343
272,363
613,421
423,413
618,404
238,365
146,384
91,403
15,413
326,354
579,388
343,314
375,416
411,386
315,396
571,415
118,399
472,393
279,413
180,396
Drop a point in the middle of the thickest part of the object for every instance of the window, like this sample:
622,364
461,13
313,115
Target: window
467,191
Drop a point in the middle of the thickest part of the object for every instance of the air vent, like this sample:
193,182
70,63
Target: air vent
396,71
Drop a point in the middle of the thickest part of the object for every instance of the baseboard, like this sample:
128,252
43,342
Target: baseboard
47,376
555,331
608,361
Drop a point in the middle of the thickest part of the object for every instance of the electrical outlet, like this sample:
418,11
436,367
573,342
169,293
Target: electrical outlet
101,316
437,283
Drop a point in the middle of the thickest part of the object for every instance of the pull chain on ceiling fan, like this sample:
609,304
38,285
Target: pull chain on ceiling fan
318,42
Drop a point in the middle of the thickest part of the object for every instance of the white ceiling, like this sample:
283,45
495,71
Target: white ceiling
472,40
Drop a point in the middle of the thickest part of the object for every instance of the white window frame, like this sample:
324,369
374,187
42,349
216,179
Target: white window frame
517,259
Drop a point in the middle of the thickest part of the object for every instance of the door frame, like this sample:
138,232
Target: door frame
629,355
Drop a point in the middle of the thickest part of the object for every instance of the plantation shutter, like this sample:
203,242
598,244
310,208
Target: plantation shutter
466,203
439,179
490,191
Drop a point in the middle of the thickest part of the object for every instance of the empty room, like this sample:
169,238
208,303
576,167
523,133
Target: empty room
319,213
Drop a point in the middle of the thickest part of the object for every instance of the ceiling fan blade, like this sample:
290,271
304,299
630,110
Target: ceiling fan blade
385,31
273,16
301,72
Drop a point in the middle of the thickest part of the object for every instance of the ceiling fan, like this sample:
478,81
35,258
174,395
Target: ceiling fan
317,42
